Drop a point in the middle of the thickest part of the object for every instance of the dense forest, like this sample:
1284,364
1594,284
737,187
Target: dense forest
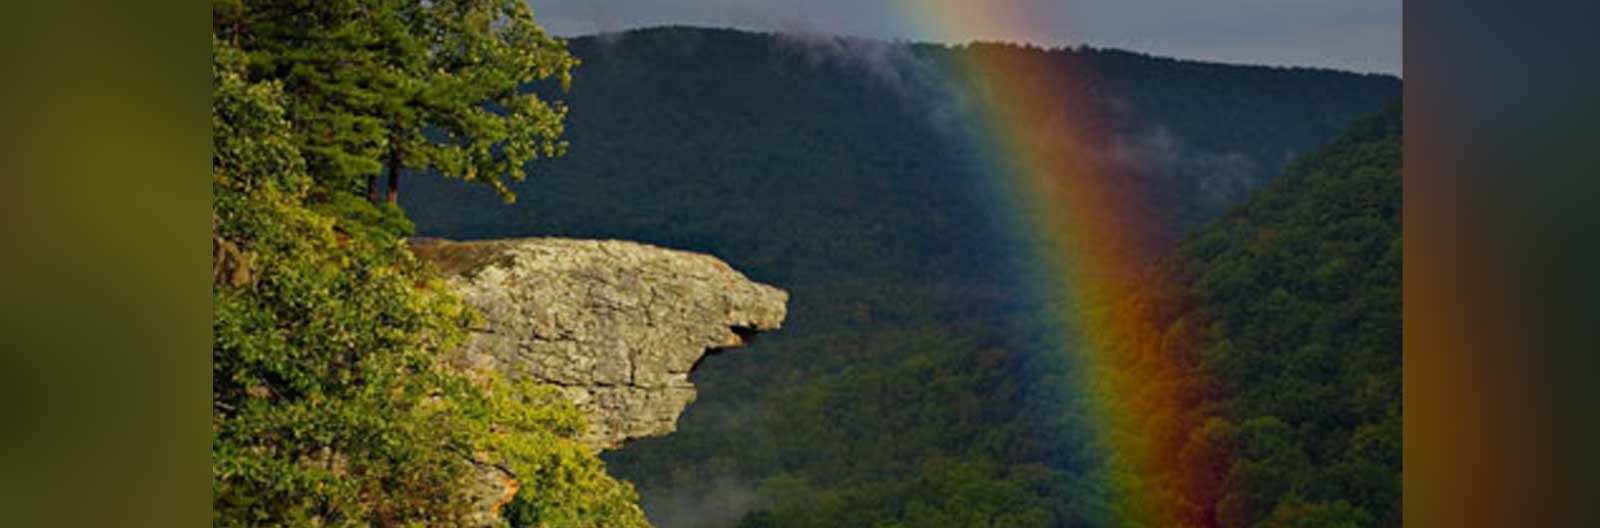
914,384
1284,318
1303,284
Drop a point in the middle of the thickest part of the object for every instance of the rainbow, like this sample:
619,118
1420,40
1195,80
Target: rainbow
1092,231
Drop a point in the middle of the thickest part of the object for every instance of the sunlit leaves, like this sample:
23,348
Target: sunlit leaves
329,403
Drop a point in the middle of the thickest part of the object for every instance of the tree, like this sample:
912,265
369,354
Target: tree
330,405
386,86
322,350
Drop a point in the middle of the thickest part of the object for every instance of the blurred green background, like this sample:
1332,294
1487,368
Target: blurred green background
104,225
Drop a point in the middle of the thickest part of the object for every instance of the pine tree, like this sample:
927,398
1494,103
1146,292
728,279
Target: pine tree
388,86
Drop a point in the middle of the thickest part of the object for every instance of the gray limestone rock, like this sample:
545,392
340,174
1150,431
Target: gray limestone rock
617,325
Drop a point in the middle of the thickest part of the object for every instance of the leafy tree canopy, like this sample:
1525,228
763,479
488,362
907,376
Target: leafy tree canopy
330,406
379,86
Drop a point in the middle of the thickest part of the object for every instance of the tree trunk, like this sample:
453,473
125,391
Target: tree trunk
372,189
394,169
394,185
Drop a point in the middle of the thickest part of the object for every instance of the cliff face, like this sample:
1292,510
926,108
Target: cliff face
617,325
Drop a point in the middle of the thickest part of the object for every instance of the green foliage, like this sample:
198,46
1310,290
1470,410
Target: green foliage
1301,287
390,85
360,217
321,362
330,405
534,429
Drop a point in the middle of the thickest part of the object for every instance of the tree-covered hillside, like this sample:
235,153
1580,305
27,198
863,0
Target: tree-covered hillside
911,385
1300,287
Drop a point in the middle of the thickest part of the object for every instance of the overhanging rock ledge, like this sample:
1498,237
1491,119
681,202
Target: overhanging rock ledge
617,325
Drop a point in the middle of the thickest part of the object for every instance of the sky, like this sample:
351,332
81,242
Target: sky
1356,35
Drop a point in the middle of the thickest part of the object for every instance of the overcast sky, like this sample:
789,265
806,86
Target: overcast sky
1359,35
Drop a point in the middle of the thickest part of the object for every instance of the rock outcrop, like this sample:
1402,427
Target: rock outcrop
617,325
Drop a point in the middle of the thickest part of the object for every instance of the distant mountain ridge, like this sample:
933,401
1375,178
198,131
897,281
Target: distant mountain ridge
847,172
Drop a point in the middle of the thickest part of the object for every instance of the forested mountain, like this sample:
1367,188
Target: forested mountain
1301,288
1282,322
909,387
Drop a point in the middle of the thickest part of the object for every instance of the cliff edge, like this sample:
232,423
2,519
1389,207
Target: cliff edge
616,325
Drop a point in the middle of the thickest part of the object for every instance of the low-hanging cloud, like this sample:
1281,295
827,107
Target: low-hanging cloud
722,502
912,80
